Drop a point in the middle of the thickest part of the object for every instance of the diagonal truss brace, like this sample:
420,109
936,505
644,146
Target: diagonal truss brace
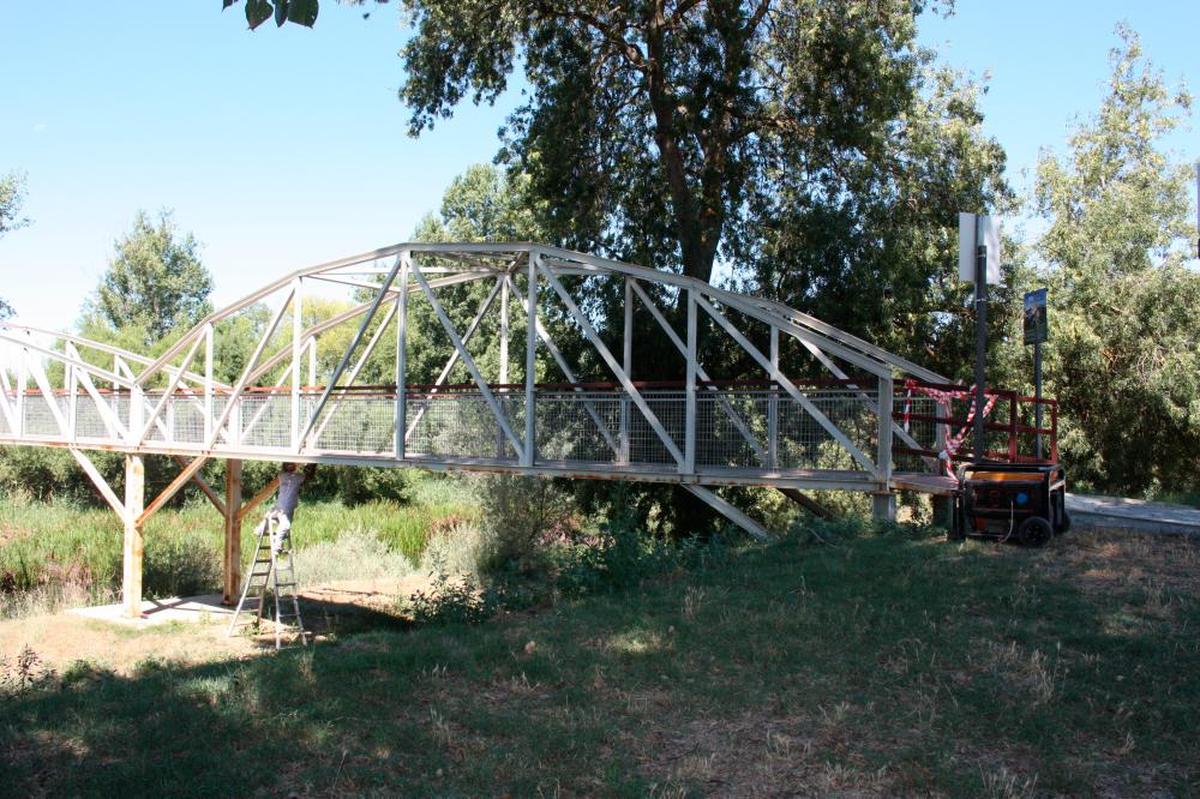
444,375
871,404
469,362
626,383
726,405
787,384
349,353
568,372
729,511
98,480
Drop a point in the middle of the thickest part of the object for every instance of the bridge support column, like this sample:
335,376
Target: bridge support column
133,549
233,533
883,506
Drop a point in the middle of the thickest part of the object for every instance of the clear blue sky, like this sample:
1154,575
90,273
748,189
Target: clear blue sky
282,148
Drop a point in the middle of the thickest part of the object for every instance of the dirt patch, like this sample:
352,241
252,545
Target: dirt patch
62,638
380,593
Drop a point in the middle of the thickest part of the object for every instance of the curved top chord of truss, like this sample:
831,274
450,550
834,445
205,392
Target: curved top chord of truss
335,375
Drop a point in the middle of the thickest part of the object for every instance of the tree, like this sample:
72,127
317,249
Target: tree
655,130
155,285
1124,353
12,198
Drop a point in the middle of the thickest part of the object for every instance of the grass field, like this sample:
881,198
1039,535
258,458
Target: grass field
57,554
881,665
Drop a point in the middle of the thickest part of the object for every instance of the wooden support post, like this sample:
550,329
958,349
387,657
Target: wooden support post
233,532
135,498
883,507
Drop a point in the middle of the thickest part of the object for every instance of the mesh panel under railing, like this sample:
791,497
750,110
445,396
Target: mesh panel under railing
460,425
358,424
914,416
732,427
804,443
39,416
265,420
578,426
645,445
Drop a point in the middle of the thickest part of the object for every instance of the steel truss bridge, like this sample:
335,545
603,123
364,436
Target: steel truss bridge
311,391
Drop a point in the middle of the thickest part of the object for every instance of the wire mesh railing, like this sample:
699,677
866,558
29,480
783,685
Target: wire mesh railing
753,426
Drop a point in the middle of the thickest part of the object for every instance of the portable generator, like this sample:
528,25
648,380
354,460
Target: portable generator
1025,503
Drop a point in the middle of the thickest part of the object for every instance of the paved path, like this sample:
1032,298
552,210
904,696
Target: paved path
1133,514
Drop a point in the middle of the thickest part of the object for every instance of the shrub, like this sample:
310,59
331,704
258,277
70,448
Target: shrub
452,599
519,513
363,484
620,556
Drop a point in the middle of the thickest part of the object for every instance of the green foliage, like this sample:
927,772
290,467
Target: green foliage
362,484
46,473
300,12
1124,350
61,551
155,285
451,599
12,198
24,673
519,514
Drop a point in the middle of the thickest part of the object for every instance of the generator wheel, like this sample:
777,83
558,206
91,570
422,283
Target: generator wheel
1035,531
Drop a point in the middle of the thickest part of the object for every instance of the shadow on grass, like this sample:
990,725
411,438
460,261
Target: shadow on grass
884,665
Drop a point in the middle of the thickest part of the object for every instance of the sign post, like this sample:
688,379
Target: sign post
1036,330
979,263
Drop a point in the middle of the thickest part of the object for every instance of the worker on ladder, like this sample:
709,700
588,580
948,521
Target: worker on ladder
279,518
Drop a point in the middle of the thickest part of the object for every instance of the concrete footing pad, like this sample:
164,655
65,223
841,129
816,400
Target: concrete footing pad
203,608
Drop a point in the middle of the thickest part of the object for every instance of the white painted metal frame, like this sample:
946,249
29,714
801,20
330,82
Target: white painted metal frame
157,389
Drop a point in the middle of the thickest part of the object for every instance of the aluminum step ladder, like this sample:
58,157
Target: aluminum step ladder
272,571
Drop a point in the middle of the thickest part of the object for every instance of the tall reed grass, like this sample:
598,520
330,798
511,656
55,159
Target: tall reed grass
59,553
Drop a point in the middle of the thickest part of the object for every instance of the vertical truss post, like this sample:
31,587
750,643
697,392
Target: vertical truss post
312,361
116,390
208,381
773,406
233,533
22,383
883,458
349,353
132,550
72,402
941,408
297,332
883,503
137,402
402,358
502,282
689,450
531,295
503,331
627,365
